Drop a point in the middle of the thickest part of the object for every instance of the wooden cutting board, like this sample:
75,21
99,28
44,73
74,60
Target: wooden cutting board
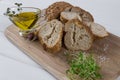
106,51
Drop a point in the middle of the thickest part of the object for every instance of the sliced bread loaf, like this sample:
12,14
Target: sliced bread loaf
50,36
78,36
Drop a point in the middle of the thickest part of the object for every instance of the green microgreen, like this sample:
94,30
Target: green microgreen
85,67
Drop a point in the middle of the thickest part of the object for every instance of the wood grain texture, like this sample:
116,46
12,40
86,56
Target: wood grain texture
106,52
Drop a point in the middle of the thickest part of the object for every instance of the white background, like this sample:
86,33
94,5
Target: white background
14,65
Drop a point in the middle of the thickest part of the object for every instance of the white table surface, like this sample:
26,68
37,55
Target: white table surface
15,65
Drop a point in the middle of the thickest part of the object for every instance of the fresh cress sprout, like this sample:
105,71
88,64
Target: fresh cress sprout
85,67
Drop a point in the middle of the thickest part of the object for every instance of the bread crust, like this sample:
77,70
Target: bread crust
54,10
63,20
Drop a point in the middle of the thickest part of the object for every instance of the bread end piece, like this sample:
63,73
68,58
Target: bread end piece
54,10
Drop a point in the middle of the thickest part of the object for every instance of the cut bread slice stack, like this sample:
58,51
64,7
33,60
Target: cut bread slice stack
85,17
50,36
78,27
78,36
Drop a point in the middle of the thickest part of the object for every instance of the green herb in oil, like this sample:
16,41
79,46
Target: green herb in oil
9,12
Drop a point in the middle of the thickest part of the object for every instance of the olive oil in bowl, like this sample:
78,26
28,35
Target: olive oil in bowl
25,20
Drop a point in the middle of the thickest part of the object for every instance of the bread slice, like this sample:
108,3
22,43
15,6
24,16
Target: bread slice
50,36
78,36
98,30
74,9
84,16
66,16
54,10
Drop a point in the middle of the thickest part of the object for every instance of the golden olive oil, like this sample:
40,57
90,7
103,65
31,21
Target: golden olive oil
25,20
